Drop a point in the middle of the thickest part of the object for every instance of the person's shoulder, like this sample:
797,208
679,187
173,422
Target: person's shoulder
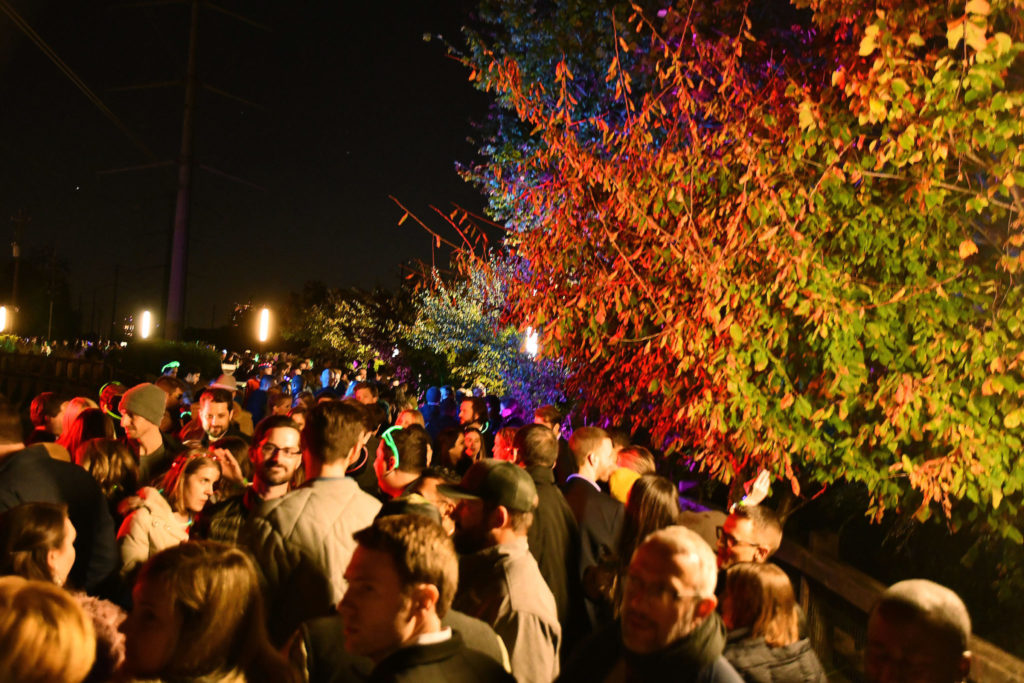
719,671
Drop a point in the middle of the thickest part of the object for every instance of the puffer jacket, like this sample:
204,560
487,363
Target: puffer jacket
302,547
148,529
758,663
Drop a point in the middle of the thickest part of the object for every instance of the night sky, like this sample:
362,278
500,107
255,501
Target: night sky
355,106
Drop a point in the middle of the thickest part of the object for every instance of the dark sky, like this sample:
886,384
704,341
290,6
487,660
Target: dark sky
355,106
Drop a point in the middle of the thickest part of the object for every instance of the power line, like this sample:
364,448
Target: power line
79,83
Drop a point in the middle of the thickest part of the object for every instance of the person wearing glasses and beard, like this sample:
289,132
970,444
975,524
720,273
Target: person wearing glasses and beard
276,455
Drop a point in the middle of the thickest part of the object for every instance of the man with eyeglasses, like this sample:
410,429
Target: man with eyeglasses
751,533
275,455
669,625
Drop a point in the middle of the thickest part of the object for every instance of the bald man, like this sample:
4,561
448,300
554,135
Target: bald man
918,633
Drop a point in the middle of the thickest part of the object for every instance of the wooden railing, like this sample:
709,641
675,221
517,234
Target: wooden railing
24,375
836,599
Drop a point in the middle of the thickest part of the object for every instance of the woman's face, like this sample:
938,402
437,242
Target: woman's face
455,452
199,487
61,558
151,630
472,441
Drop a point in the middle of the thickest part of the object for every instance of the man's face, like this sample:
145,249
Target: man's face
466,414
55,424
446,506
216,418
376,608
659,603
905,651
277,456
738,543
364,396
556,428
135,426
472,531
605,458
174,399
192,377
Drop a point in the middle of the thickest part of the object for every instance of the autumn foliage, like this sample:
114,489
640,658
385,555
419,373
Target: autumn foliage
793,248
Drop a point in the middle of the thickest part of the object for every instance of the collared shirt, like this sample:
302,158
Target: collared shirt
432,638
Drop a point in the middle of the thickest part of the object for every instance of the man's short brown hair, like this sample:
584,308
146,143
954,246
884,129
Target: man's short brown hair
536,445
333,429
421,552
585,441
767,526
549,415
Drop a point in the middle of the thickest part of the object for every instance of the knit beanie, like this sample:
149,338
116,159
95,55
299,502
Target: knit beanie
146,400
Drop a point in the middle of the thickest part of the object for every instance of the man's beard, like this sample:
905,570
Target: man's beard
274,475
469,541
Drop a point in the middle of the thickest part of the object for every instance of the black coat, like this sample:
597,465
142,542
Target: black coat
451,661
554,540
758,663
32,476
599,517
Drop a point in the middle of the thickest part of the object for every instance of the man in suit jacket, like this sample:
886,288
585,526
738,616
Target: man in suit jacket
598,515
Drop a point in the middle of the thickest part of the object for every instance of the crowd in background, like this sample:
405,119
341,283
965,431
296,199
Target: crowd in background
287,521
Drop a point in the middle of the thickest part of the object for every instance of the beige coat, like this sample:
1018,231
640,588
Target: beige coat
150,528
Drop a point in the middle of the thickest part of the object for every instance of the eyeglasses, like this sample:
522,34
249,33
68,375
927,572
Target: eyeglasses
269,450
660,593
731,540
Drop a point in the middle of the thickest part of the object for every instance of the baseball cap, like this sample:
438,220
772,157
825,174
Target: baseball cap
225,381
495,482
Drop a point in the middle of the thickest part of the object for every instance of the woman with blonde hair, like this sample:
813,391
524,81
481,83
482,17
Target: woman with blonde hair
764,645
163,517
37,543
45,637
198,615
113,466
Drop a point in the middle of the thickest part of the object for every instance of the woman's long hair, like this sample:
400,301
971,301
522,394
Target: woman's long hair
215,589
760,597
28,532
653,504
173,485
91,423
112,465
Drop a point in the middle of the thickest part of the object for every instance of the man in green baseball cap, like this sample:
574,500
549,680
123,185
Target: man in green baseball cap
500,582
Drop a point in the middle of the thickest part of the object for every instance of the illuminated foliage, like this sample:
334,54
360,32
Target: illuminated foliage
787,247
462,322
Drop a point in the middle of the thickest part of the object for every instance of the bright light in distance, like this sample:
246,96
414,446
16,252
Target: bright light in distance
264,332
3,318
532,344
146,325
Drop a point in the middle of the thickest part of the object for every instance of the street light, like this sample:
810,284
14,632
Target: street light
532,343
146,325
264,329
3,318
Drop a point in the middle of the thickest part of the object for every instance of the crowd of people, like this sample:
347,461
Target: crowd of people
318,525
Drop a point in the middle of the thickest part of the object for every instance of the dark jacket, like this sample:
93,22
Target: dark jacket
153,466
554,541
599,517
451,661
758,663
695,658
31,475
319,649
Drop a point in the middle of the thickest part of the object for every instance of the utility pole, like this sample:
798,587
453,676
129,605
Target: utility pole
175,321
113,303
20,219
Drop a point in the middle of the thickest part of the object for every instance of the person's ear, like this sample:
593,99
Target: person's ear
499,517
425,597
760,554
964,665
705,607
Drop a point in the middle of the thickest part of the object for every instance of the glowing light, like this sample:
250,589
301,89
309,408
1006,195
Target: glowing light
264,330
146,325
532,344
3,318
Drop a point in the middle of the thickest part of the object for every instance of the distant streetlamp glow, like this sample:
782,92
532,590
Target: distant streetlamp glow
264,331
3,318
146,325
532,344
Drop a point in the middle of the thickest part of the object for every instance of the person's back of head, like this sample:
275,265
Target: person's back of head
413,447
653,504
584,441
11,432
212,590
45,405
537,446
333,430
45,636
758,596
918,632
111,464
638,459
